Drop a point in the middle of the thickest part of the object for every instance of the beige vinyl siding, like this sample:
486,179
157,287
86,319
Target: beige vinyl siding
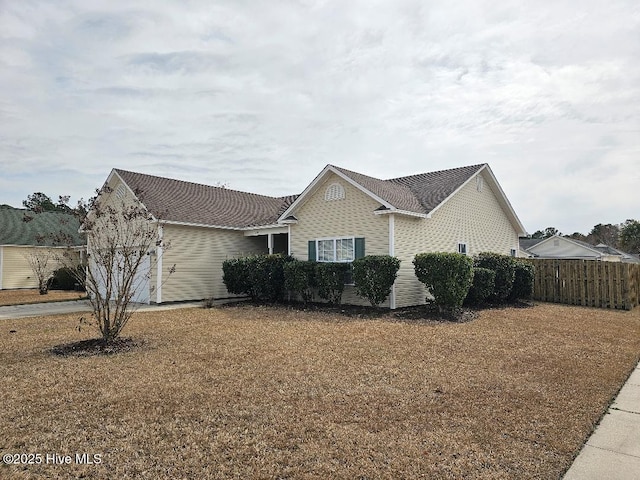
351,216
198,253
119,203
470,216
16,272
410,238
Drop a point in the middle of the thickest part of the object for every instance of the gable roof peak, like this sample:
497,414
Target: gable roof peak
420,194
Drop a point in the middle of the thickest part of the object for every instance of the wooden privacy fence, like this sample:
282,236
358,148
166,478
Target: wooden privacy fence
587,282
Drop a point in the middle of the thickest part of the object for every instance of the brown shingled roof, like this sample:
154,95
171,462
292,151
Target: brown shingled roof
193,203
397,195
416,193
432,188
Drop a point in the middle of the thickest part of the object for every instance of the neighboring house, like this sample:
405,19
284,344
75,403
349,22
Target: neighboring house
340,216
569,248
19,239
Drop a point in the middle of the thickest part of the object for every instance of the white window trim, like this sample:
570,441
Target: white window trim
353,239
466,248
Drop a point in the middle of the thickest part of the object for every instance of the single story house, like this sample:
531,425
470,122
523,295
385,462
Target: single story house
24,233
572,249
340,215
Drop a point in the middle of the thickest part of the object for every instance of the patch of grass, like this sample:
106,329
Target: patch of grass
272,392
22,297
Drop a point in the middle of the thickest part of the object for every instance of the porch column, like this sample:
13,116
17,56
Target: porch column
270,243
392,252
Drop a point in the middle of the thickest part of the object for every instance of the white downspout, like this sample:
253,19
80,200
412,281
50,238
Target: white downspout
1,264
392,252
289,240
159,252
270,243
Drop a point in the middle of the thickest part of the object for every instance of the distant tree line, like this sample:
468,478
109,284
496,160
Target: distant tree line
40,202
625,236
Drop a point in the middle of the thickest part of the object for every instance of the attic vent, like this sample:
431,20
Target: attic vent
335,191
121,191
479,183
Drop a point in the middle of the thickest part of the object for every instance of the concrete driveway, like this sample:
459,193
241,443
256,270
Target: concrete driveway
58,308
41,309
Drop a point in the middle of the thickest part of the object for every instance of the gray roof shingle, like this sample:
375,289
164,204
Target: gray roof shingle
526,243
43,229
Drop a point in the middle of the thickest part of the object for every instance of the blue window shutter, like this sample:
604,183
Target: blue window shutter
359,247
312,250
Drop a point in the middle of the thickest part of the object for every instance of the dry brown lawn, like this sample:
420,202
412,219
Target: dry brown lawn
20,297
259,392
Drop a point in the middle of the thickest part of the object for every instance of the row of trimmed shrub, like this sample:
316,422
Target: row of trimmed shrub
454,279
267,277
451,278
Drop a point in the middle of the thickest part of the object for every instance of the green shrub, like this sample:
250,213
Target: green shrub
260,276
266,275
330,279
235,276
300,278
374,276
523,281
65,279
448,276
484,281
505,268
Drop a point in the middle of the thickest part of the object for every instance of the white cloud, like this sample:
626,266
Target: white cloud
264,95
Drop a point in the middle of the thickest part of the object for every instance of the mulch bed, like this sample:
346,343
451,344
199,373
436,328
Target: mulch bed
429,312
96,346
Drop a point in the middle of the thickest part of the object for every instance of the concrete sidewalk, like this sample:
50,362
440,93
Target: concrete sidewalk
74,306
613,450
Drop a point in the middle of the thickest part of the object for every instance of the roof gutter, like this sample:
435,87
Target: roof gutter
221,227
390,211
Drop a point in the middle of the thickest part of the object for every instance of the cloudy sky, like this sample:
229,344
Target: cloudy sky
262,95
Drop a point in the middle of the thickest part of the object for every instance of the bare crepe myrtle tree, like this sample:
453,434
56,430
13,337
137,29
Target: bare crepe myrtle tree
42,264
124,244
43,259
